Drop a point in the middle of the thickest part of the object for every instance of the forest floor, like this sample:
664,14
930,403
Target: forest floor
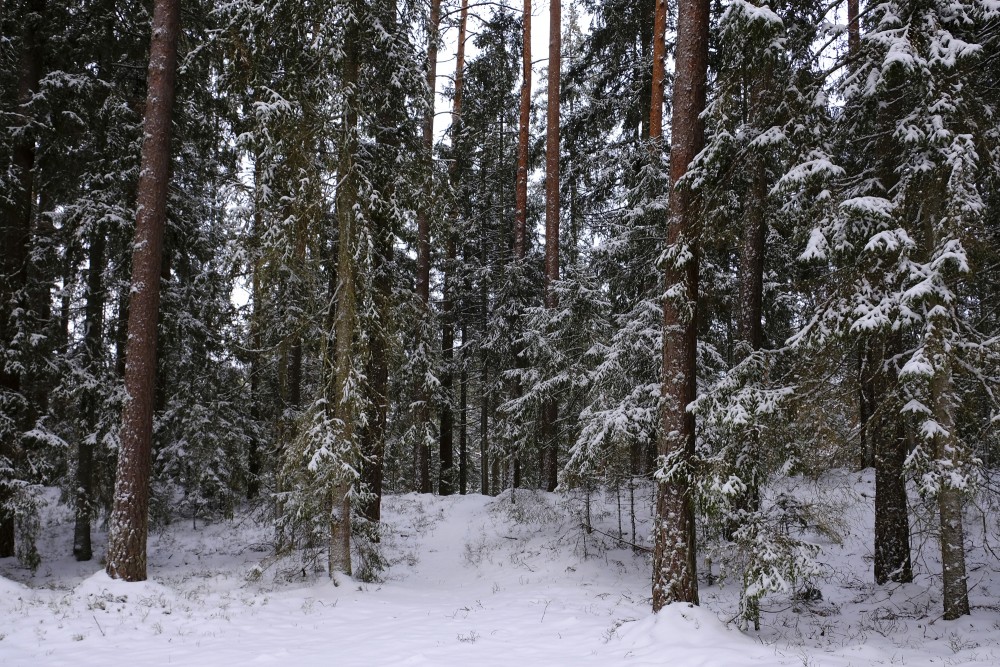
479,580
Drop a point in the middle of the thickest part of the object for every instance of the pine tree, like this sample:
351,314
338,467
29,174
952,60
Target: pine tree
674,565
129,518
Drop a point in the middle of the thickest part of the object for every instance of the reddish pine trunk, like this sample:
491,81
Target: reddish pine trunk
659,52
674,567
853,29
129,521
521,183
550,410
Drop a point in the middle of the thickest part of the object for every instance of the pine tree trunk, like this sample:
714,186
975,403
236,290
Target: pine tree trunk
550,408
674,565
853,29
128,525
659,71
524,118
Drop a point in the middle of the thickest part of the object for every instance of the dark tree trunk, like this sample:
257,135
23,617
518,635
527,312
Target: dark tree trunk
866,404
15,230
129,521
377,371
463,429
373,434
256,339
888,438
853,29
485,461
447,479
446,485
674,566
424,236
341,404
93,339
751,289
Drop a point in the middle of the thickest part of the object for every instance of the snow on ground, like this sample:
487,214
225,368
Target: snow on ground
476,580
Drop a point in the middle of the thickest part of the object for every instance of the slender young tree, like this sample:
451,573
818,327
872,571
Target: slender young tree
424,241
92,339
447,456
674,566
128,525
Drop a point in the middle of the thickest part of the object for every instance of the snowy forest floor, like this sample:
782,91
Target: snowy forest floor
477,580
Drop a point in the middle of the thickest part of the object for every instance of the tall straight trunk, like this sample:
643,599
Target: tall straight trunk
15,230
424,236
463,427
92,340
256,336
659,71
524,118
377,368
853,29
674,567
521,197
550,408
446,485
751,287
342,403
485,463
377,372
128,525
447,482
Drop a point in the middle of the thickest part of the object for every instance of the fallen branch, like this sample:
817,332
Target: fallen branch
623,541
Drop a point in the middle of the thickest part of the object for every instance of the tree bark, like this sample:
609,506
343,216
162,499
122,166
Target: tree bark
948,452
659,71
93,339
888,439
674,566
342,404
446,485
524,118
128,525
853,29
424,236
550,408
